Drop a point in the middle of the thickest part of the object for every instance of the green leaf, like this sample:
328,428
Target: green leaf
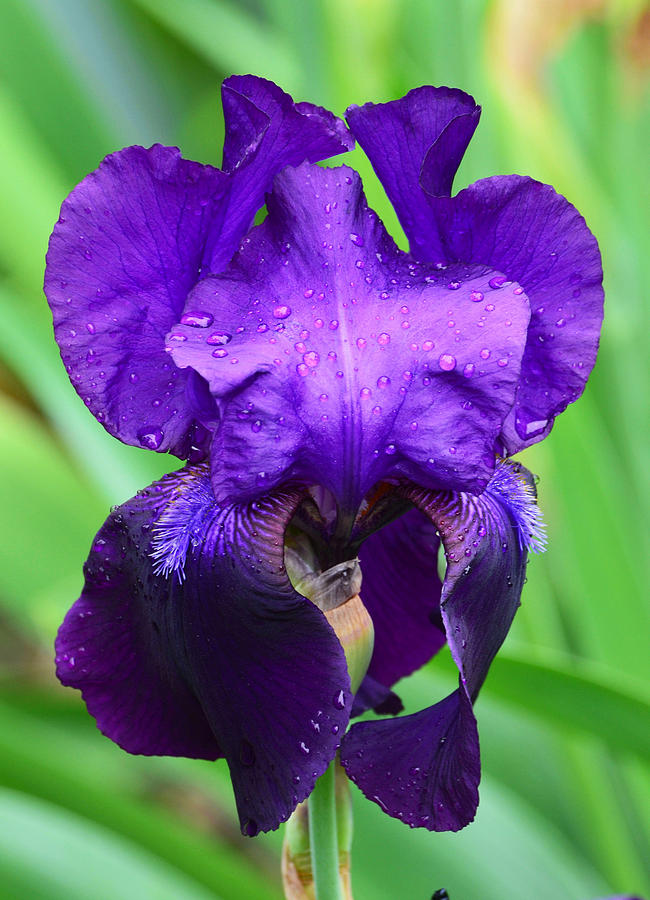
226,36
47,853
38,760
574,695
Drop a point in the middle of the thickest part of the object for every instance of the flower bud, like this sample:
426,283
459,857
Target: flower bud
336,593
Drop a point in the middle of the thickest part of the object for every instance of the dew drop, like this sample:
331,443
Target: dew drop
361,343
497,282
304,748
428,345
311,358
177,337
390,449
333,325
262,328
197,319
219,353
469,369
447,362
302,369
485,353
383,339
476,296
365,392
282,312
218,337
150,437
339,700
356,239
502,363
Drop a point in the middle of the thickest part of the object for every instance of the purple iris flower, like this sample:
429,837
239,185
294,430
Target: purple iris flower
322,382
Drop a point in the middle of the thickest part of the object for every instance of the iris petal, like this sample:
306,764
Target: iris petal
336,360
513,224
429,123
425,768
228,661
122,258
403,599
265,131
136,236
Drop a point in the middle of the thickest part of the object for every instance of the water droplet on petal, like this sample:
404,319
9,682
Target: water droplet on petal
428,345
311,358
219,353
197,319
485,353
361,343
383,381
447,362
339,700
497,282
356,239
468,371
282,312
476,296
383,339
333,325
390,449
150,437
218,337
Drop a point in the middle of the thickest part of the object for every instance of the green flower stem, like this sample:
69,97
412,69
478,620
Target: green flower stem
323,837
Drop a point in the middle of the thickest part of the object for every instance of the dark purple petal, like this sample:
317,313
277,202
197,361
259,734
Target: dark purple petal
373,695
537,238
424,768
336,360
401,591
265,131
189,640
122,258
432,124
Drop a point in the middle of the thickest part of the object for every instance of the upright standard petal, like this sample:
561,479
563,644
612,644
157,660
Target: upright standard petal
336,360
122,258
429,123
136,236
513,224
425,768
188,640
265,131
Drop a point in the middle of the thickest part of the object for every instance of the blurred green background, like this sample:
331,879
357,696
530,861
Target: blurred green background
564,714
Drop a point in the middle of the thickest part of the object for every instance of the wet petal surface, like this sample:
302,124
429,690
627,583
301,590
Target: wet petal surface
336,360
122,258
516,225
188,640
425,768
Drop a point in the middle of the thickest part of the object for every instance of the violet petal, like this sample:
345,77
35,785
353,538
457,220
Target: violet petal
342,362
425,768
216,654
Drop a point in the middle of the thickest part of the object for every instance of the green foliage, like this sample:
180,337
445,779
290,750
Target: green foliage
564,713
